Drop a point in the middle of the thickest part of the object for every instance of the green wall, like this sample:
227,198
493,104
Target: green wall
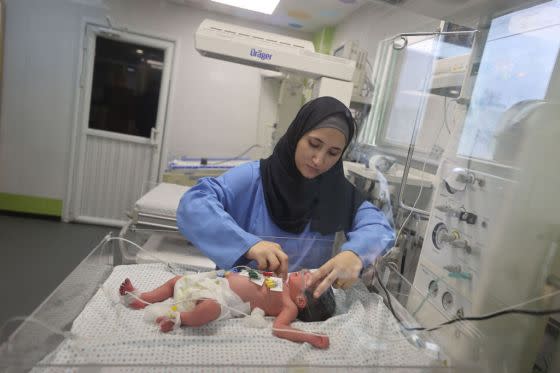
30,205
322,40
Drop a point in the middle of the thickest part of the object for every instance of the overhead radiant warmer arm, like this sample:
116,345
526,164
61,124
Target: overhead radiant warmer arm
268,51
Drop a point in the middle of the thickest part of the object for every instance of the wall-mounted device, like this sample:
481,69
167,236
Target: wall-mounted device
362,89
276,52
449,75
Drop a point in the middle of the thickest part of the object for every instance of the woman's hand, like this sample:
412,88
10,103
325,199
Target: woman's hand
342,270
270,257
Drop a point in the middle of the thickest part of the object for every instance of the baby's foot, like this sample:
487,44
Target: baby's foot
130,297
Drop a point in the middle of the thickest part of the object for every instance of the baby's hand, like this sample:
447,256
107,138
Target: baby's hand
320,341
165,323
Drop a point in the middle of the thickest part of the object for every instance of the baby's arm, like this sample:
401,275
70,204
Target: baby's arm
282,327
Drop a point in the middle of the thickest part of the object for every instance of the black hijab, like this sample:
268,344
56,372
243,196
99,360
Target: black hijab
328,201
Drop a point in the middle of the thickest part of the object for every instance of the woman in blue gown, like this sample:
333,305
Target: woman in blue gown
281,213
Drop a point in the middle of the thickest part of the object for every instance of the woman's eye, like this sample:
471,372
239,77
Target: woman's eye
314,144
334,154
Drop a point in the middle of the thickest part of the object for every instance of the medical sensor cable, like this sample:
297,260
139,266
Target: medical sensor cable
237,156
147,252
506,311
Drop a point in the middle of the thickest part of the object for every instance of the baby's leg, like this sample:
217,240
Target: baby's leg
161,293
205,311
157,295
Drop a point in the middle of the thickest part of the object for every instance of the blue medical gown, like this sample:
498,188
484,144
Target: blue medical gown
225,216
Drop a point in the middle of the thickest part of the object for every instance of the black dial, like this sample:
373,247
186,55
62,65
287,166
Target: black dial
438,233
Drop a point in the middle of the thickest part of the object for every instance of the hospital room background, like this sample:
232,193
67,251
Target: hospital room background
111,109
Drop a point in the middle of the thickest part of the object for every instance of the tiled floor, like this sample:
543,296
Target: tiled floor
35,256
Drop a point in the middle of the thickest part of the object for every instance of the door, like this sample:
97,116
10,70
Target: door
124,88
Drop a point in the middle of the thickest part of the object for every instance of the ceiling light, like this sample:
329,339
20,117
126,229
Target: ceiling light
261,6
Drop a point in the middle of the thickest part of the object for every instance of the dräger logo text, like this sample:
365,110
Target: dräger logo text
260,54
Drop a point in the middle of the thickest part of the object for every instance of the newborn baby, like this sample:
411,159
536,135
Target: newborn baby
205,297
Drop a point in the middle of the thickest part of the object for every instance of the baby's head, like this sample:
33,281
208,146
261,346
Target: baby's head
318,309
310,308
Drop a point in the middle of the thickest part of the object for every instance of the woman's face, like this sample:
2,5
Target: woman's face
318,150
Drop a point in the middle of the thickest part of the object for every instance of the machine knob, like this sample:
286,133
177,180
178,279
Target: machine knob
468,217
455,271
458,179
450,237
461,244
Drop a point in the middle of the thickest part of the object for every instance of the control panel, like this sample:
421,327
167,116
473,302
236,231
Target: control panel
464,211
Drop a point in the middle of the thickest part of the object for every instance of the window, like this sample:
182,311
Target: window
125,88
515,70
416,86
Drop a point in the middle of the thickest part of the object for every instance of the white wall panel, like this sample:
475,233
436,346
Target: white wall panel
38,96
113,177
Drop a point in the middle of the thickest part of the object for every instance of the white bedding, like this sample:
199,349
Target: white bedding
163,200
363,333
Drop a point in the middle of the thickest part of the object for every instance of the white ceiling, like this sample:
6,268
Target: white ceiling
302,15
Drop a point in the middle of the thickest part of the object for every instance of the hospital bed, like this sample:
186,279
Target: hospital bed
153,225
157,208
82,326
187,171
152,219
